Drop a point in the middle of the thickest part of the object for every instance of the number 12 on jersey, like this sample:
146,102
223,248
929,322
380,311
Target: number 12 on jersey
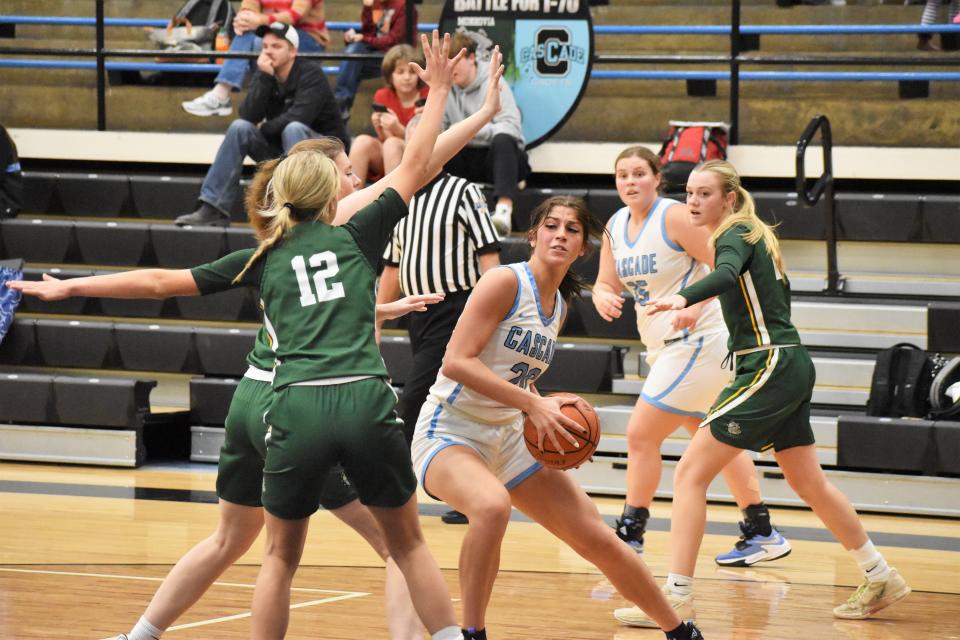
326,267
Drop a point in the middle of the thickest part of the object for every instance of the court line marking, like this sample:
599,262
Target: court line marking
239,616
118,576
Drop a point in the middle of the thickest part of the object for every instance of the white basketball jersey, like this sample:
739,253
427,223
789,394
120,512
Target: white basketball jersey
651,265
519,351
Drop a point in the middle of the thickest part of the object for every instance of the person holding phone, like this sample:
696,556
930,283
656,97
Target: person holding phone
394,105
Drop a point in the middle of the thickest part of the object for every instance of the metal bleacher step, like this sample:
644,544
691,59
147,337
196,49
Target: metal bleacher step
606,473
867,491
822,394
614,418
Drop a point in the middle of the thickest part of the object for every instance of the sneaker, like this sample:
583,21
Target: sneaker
502,218
925,42
629,531
635,617
870,597
753,548
691,629
454,517
205,216
208,105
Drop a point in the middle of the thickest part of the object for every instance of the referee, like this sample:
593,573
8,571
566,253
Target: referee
442,246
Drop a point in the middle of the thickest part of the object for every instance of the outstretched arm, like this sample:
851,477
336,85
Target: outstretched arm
448,144
141,283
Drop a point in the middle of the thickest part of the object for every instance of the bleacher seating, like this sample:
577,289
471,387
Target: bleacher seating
900,250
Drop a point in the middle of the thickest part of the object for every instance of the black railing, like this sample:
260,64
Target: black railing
823,187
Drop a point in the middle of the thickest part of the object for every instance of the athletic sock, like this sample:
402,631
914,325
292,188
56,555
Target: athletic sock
448,633
682,632
871,562
758,516
679,585
222,91
472,633
143,630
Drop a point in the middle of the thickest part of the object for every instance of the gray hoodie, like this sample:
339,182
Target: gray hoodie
462,103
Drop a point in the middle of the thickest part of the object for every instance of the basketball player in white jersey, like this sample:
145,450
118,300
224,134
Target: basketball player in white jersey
468,448
652,250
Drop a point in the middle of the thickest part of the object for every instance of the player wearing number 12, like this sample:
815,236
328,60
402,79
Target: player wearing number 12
333,403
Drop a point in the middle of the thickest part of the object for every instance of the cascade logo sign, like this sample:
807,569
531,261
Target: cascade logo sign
547,50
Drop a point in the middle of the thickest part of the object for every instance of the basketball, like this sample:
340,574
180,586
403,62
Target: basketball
582,413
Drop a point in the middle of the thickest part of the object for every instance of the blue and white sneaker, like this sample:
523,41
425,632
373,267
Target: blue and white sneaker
752,548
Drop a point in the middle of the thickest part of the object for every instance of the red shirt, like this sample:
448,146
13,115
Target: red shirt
389,98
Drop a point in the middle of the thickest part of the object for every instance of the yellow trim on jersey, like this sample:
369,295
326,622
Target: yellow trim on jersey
742,389
753,317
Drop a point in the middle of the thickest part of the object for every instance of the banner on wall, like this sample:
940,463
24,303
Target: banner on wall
547,48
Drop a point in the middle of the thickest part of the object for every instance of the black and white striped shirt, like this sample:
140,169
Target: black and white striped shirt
436,246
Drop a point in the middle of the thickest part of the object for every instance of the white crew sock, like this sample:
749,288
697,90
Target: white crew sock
679,585
222,91
143,630
448,633
871,562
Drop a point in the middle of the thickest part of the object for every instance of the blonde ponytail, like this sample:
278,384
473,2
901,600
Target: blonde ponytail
304,186
257,196
744,212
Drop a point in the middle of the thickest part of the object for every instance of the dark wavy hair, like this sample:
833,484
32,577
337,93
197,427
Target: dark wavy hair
572,284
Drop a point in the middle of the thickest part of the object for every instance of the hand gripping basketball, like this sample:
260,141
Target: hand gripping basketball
567,455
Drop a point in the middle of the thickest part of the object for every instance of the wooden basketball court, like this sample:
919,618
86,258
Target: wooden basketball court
84,549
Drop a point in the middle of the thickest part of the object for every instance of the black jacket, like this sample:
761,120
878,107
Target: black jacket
305,97
11,179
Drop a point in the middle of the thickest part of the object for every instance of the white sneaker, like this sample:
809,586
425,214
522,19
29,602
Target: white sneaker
502,218
635,617
208,105
870,597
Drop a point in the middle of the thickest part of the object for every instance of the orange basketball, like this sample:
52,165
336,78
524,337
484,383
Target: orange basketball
580,412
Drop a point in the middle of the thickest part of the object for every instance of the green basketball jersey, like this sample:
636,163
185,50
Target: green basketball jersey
318,295
218,276
754,295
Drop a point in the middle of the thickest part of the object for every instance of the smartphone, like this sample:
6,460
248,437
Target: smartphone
420,102
379,108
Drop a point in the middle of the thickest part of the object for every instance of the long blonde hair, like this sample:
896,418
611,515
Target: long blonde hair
304,187
257,194
744,212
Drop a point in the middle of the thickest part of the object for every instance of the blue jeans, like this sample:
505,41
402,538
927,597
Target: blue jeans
221,186
353,71
234,71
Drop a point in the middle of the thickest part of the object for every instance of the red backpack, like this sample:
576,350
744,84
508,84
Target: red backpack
688,145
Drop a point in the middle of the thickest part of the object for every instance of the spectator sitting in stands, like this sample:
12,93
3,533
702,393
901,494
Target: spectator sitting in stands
393,107
11,177
931,12
289,100
497,153
305,15
383,24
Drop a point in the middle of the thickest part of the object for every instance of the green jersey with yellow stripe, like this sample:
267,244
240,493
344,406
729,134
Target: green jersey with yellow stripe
754,295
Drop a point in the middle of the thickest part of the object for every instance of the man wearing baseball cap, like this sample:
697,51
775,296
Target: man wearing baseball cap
289,100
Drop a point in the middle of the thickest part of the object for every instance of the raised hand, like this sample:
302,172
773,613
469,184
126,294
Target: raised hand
439,71
491,103
48,289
